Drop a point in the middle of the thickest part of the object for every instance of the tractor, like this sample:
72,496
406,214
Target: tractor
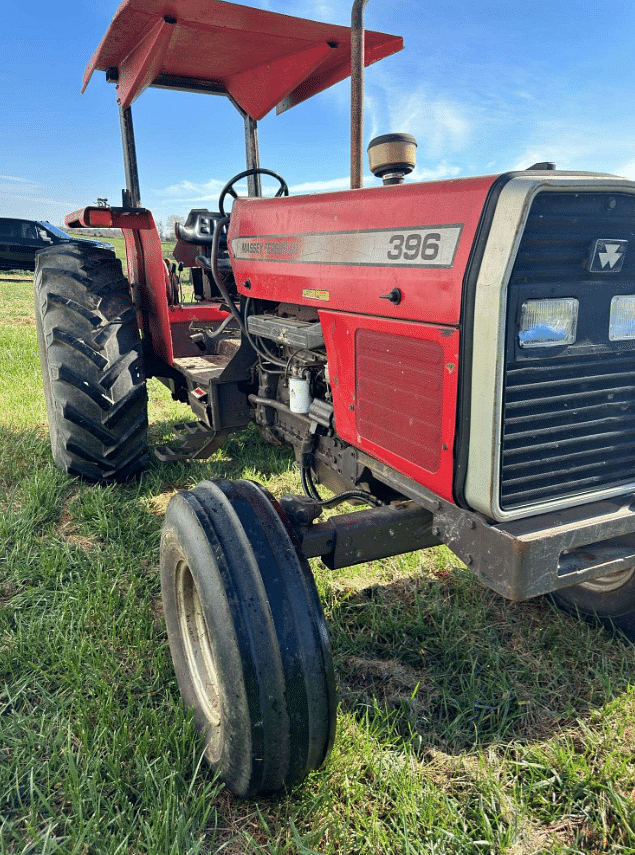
454,359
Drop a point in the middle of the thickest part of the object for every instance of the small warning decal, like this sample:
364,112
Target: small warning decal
316,294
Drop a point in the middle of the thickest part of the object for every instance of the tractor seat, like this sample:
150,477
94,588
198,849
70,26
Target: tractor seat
195,237
198,227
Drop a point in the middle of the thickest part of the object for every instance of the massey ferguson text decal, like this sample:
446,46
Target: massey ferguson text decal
422,246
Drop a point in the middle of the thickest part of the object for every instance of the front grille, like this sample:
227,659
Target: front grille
569,426
569,412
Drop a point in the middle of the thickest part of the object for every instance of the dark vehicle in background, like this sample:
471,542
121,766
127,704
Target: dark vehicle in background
21,239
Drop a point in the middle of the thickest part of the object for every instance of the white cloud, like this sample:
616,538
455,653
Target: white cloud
540,154
14,178
593,153
22,197
373,116
627,171
322,10
443,170
189,192
321,186
43,200
440,124
13,184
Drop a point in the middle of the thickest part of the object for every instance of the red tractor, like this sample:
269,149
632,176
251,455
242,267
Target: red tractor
455,356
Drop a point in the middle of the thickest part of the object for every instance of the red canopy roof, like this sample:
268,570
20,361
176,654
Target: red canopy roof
261,59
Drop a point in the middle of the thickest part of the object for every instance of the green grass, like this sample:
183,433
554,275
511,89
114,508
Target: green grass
120,248
466,724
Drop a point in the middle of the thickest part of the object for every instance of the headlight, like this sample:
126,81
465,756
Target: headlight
548,323
622,322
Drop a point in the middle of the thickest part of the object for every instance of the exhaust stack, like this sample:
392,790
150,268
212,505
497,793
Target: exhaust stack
357,92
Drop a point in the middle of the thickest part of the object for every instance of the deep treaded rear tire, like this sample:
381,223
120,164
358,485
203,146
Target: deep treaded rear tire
92,364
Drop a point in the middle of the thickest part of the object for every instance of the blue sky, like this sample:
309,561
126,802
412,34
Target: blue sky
484,86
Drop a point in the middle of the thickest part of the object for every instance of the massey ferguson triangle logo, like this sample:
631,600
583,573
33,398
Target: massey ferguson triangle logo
606,256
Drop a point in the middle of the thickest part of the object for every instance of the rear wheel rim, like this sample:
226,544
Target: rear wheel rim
199,653
610,582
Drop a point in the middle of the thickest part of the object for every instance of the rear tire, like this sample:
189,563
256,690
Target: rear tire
247,635
609,600
92,365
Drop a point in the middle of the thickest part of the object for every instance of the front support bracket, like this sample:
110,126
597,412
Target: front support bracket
519,559
348,539
533,556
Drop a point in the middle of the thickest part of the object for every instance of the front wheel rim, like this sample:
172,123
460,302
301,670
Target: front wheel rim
199,654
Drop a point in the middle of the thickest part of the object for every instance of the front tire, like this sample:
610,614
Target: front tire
609,600
247,636
92,365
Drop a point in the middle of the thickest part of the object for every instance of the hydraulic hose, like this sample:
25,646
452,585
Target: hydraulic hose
311,491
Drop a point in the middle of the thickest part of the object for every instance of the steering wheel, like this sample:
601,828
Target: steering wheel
228,189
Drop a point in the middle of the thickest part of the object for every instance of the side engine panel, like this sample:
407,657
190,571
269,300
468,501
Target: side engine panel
348,251
394,392
383,269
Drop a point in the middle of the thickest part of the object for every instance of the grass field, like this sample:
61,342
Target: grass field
466,724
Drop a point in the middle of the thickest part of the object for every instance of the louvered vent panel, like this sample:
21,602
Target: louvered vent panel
400,395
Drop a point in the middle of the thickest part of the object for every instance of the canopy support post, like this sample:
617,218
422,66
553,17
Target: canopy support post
132,193
252,155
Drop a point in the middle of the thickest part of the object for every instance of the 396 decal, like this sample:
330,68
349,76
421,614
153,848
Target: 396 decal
399,246
414,246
